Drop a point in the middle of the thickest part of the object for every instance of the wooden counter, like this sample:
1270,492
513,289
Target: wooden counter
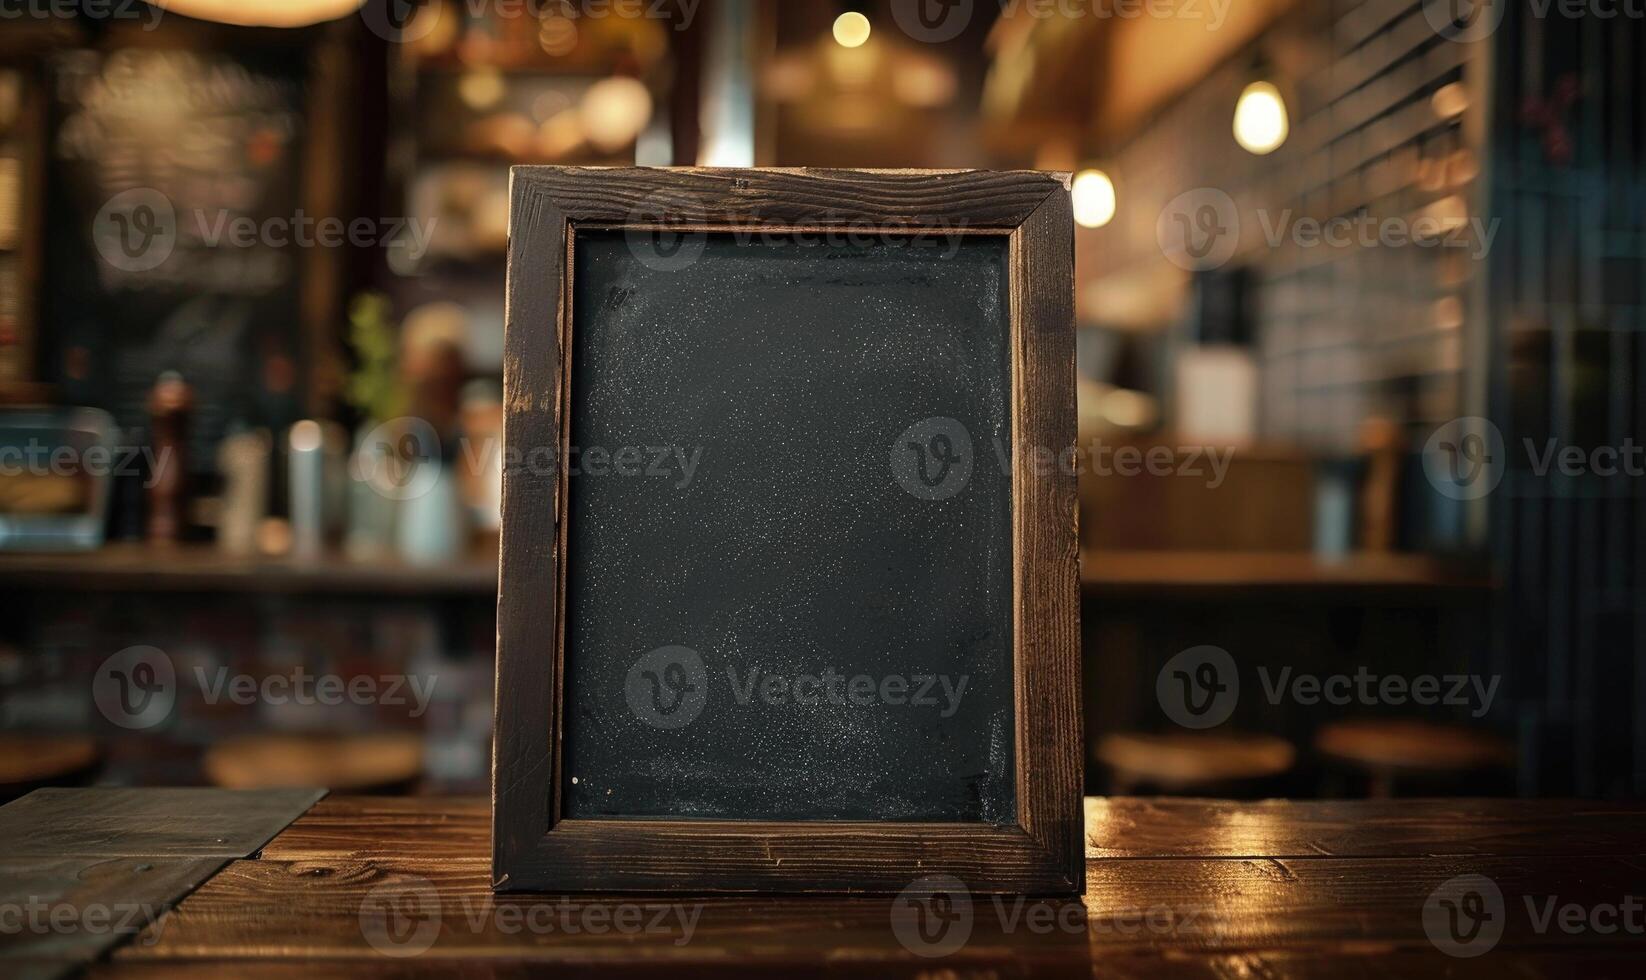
1192,888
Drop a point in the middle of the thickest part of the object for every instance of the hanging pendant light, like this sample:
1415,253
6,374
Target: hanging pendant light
1094,199
264,13
1260,120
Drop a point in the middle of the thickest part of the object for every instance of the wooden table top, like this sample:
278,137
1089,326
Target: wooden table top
1190,888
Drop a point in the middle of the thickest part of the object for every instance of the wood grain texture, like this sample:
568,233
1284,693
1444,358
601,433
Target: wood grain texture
1046,551
269,908
532,847
1363,963
76,908
886,199
1262,914
1180,828
121,822
362,827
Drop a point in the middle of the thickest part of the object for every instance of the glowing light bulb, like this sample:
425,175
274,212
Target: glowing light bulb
1260,123
614,111
851,29
1094,199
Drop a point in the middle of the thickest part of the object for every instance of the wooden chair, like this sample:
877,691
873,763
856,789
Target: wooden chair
384,763
1393,752
1194,763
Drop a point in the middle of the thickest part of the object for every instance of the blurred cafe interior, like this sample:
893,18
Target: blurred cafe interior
1360,311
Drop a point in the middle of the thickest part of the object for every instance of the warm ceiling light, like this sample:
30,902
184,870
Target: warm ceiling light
851,29
1451,99
1260,123
1094,200
614,111
264,13
482,88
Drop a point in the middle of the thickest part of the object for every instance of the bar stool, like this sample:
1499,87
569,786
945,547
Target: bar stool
1194,763
28,762
1393,751
379,763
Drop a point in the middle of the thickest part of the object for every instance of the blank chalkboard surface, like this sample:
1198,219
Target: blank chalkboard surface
788,593
774,592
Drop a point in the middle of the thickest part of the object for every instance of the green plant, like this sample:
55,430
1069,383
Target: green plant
374,387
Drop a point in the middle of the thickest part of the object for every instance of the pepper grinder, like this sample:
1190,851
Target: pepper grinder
171,402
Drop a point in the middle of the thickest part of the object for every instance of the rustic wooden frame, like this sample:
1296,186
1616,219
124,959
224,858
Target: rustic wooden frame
533,848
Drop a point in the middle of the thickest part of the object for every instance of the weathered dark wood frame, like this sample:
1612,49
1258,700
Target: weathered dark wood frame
533,848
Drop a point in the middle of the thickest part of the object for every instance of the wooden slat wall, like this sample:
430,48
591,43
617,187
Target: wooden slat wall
1343,333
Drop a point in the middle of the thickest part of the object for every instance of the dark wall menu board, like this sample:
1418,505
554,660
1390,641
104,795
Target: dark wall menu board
176,218
820,567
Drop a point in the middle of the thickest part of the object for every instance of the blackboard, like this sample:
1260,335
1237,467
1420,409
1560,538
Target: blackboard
157,151
788,586
792,372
